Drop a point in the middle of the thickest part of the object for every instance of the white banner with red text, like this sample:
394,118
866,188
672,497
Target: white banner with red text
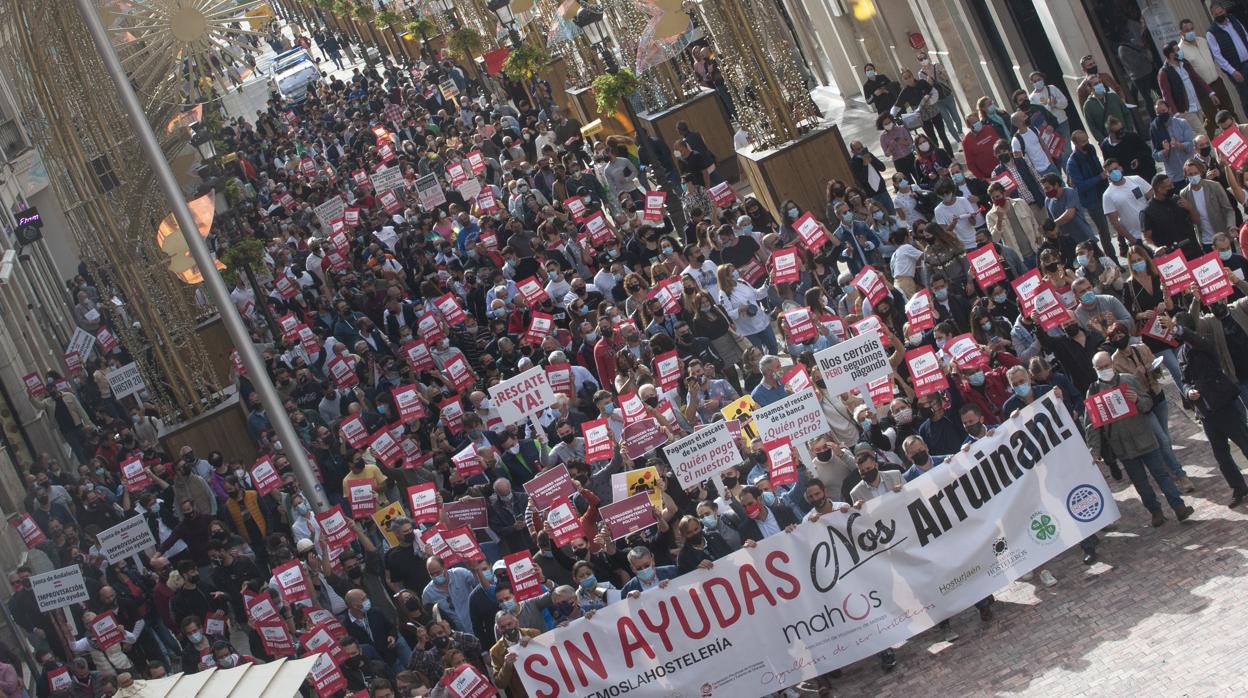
845,588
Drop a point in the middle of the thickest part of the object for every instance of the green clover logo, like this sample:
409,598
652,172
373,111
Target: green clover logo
1042,527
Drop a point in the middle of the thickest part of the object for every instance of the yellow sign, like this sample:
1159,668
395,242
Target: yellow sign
260,17
645,480
591,128
742,410
382,518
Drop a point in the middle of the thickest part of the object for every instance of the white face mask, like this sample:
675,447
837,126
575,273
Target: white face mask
1105,374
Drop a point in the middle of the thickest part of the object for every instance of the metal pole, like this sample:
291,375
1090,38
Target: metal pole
303,470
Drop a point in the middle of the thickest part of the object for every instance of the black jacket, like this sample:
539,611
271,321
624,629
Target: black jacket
749,527
380,627
1202,371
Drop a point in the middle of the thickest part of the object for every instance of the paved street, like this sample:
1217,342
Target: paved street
1162,613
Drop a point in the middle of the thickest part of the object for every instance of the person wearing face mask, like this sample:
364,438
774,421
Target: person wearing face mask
1124,201
1011,222
880,91
1232,260
1172,140
1168,219
1199,56
369,626
503,655
646,574
957,213
1023,179
1091,69
701,547
868,171
1183,90
1228,42
896,143
854,242
1132,441
1097,308
978,144
1210,202
505,511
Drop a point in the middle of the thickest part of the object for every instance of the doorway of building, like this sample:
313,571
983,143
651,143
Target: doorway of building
1040,51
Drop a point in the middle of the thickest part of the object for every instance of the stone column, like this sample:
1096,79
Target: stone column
1070,32
952,37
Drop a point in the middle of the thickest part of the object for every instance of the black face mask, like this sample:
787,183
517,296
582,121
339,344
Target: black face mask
1219,309
730,482
568,438
1119,343
696,539
1072,331
652,401
354,663
412,605
1005,158
441,642
823,455
1051,267
1206,151
512,635
869,475
1092,70
921,458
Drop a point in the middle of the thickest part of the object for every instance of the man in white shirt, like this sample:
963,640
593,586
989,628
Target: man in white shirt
1026,143
956,213
556,285
1124,201
1209,199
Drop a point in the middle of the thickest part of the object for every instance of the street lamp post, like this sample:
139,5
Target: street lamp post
215,286
507,18
589,19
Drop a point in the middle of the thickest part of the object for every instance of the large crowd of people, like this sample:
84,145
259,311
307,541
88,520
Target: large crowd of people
511,241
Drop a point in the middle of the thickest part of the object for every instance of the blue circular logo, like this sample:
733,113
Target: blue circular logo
1085,503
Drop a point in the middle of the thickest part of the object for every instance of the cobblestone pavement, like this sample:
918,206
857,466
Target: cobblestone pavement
1161,613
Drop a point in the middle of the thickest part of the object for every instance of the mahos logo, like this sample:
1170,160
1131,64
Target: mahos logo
853,608
1085,503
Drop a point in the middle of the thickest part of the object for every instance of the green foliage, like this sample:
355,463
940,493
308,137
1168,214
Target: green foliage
610,88
465,43
364,12
391,19
422,27
245,253
233,191
525,62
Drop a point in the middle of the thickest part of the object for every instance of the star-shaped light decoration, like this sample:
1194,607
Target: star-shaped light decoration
188,51
666,34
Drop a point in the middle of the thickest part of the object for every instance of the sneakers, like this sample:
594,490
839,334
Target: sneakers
888,660
1185,513
1158,519
1185,485
1090,558
1047,579
985,614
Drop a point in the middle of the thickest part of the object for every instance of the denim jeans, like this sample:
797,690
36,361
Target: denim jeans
1159,419
1171,361
1139,468
1226,425
765,339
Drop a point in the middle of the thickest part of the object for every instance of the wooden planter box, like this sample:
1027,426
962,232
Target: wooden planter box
704,113
584,106
799,170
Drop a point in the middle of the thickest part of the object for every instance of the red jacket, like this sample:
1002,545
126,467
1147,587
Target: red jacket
604,361
994,392
1171,85
977,148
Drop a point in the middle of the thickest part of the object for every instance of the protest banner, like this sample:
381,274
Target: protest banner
986,266
335,527
842,589
522,572
531,290
526,394
106,630
1109,406
461,540
105,340
467,463
59,588
1053,313
564,524
966,352
642,436
125,539
424,502
35,386
1211,278
540,327
466,681
408,402
134,475
460,373
559,376
667,370
383,445
1152,326
784,266
781,462
926,374
382,518
549,487
870,283
469,511
430,193
702,454
722,195
292,584
353,431
28,530
798,417
655,200
627,516
810,232
638,481
1232,147
851,363
1175,273
125,380
741,411
326,678
363,498
798,325
597,437
275,638
797,379
920,313
264,476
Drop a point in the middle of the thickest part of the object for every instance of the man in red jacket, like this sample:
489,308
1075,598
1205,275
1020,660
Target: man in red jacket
977,146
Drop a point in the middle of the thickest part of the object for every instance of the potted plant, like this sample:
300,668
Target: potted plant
610,88
524,62
465,43
247,255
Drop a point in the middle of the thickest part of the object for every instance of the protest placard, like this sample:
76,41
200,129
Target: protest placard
424,502
926,374
126,539
1211,278
292,584
702,454
469,511
59,588
564,524
549,487
526,394
851,363
1109,406
627,516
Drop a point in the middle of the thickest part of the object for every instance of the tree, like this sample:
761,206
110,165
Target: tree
246,255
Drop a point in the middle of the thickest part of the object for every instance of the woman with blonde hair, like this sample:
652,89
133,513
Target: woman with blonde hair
741,303
707,319
635,286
